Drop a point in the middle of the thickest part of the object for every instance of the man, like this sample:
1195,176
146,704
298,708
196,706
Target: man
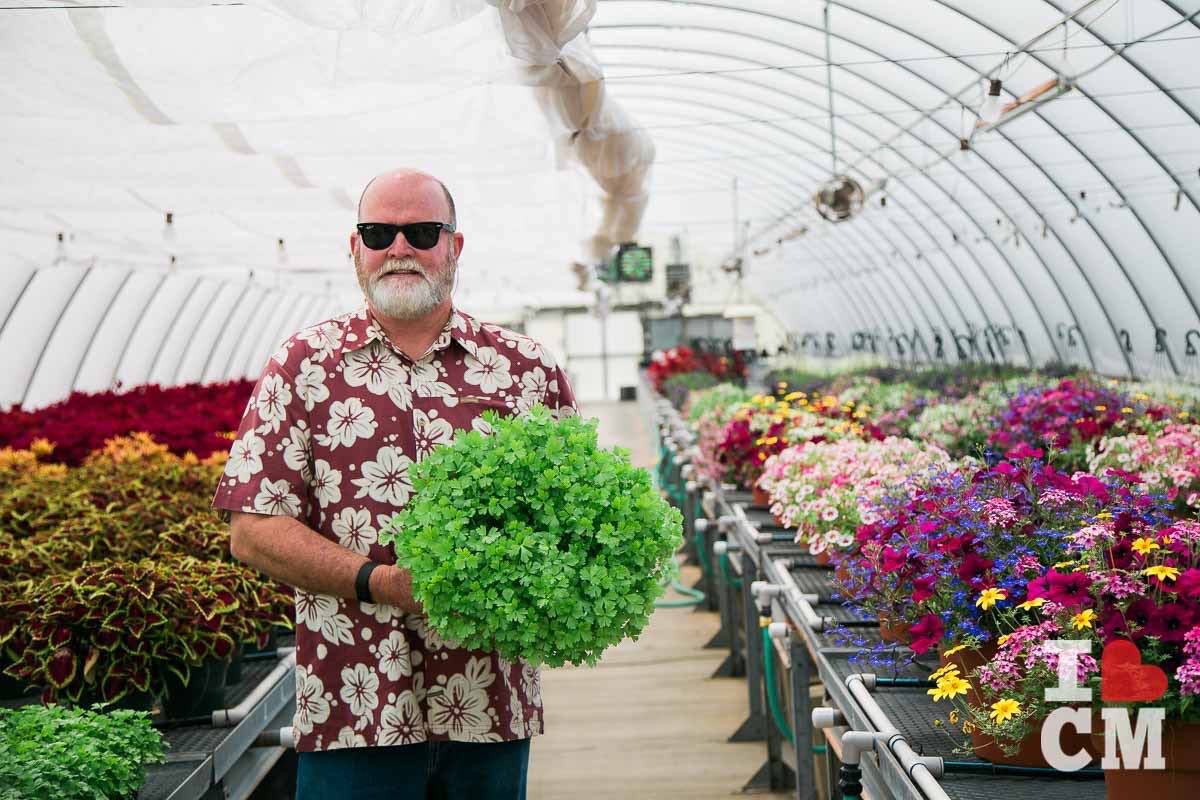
384,707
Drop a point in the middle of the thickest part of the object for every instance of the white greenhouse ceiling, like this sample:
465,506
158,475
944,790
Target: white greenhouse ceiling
1068,230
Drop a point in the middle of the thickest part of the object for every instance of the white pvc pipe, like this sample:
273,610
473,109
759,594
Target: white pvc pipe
228,717
921,769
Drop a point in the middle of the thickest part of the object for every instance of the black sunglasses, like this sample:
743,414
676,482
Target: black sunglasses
421,235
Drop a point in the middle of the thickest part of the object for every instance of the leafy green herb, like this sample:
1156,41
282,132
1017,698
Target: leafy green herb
534,541
57,753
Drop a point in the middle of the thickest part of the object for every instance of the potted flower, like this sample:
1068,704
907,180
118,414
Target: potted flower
1166,461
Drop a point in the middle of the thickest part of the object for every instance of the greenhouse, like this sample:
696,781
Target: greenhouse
599,398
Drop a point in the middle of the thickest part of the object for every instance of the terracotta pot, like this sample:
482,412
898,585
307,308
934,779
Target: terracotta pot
823,558
759,497
778,520
1179,781
1030,754
894,631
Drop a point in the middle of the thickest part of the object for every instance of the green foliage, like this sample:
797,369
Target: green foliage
721,396
534,541
56,753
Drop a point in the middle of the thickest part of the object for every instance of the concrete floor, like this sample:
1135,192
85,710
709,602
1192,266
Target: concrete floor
648,721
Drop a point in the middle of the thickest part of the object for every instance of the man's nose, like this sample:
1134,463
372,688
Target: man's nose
400,248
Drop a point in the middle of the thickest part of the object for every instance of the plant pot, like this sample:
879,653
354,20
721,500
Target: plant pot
271,646
203,694
823,558
1179,781
759,497
133,701
891,630
233,674
13,688
778,520
1030,752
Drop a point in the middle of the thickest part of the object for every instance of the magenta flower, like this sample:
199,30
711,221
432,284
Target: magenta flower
927,633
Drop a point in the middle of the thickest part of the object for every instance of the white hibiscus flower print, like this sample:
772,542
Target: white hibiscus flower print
531,682
432,639
385,480
400,393
245,457
323,339
488,370
401,722
478,424
276,498
424,379
360,687
533,351
326,483
347,738
354,531
297,450
461,708
349,421
311,706
375,367
381,612
319,612
534,385
280,356
393,656
272,401
517,713
310,384
430,432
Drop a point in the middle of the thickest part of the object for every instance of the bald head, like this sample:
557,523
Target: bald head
387,186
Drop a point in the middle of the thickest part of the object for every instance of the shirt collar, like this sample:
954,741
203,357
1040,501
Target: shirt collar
359,329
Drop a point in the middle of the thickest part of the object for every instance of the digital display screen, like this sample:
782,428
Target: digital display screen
635,264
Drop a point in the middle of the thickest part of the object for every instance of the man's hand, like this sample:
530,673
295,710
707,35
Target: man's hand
391,585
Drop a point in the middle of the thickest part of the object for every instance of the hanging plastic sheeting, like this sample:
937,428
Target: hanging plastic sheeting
1068,232
181,177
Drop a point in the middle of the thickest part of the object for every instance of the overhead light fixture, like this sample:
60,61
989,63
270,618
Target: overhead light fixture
993,106
839,199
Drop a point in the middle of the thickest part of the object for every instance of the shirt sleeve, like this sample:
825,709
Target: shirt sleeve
270,463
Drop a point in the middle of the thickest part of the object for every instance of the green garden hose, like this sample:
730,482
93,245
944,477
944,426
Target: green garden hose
695,598
772,696
702,552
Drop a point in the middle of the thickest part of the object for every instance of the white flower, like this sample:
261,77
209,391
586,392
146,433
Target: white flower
394,660
360,685
517,713
429,433
534,385
311,706
531,682
326,483
375,367
532,350
245,457
488,370
347,738
272,401
276,498
319,612
424,380
323,339
462,706
310,384
385,480
349,421
401,722
354,531
297,450
829,514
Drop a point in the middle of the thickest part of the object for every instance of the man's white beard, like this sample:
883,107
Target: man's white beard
413,300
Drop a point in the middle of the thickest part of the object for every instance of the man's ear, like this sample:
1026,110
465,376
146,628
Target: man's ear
353,242
458,244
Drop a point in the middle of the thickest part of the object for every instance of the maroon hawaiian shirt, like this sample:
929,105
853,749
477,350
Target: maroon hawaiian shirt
336,420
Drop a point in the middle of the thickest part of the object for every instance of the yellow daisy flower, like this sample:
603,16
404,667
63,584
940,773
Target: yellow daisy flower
1162,572
949,686
942,672
957,648
1000,642
1062,564
1143,545
989,598
1029,605
1004,710
1083,619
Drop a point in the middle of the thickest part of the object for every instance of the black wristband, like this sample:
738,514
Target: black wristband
362,583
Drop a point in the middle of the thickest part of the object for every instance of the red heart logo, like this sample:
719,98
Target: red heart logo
1125,679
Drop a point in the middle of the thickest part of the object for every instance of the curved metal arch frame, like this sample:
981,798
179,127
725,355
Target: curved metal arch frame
290,324
1100,171
199,321
62,312
162,345
137,323
1016,275
248,342
1087,280
87,351
1003,256
233,309
899,276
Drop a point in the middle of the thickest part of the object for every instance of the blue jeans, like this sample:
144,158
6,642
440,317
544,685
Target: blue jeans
425,771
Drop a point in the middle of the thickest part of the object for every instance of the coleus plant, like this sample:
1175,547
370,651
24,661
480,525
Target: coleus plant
534,541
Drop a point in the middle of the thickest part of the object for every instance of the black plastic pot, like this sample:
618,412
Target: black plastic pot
234,673
203,694
133,701
272,644
13,688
